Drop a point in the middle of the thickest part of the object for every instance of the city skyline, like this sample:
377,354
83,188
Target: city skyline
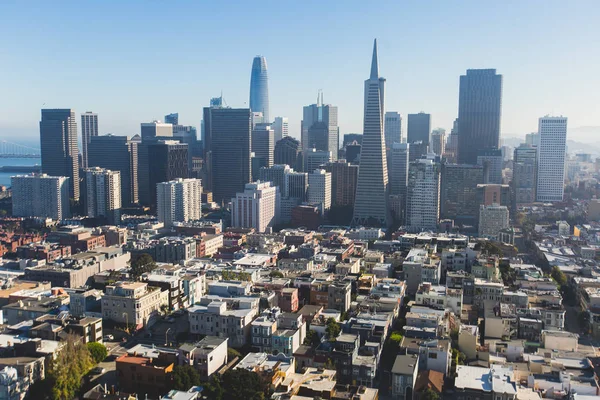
414,82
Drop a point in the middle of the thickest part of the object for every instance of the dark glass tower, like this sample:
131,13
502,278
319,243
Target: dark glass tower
58,142
479,113
419,128
259,87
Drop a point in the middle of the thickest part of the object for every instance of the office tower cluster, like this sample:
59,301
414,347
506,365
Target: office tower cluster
397,172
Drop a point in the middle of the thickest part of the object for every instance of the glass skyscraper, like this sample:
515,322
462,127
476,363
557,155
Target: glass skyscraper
259,88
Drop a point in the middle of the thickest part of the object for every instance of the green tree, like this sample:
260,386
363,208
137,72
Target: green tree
142,264
276,274
333,329
558,276
213,389
312,338
185,376
97,351
67,369
429,394
243,384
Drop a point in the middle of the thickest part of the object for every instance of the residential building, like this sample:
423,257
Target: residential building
404,376
172,285
257,207
207,356
319,128
117,153
393,128
179,200
288,300
281,127
259,87
370,205
339,296
40,196
479,113
459,200
551,159
343,182
419,128
103,194
319,189
59,149
492,219
485,383
146,375
89,129
131,303
524,180
262,330
423,195
490,194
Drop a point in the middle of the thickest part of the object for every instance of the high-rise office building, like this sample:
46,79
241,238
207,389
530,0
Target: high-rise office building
287,151
89,129
551,159
418,150
179,200
479,113
532,139
438,141
117,153
40,196
393,128
490,194
259,87
263,144
276,175
295,185
353,152
370,205
492,219
492,162
172,119
319,127
281,128
451,149
59,150
343,182
169,161
229,132
319,189
419,128
256,207
524,179
399,160
156,129
458,195
423,195
314,159
103,194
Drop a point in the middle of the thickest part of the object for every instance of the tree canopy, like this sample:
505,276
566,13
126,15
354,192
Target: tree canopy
185,376
243,384
142,264
67,369
333,329
97,351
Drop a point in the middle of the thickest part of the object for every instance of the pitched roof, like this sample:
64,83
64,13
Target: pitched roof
429,380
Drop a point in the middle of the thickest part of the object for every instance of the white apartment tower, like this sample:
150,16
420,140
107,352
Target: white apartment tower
281,128
179,200
551,158
492,219
89,128
393,128
370,205
423,195
103,194
256,207
319,188
40,196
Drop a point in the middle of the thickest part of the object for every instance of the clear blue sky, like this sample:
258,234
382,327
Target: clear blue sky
135,61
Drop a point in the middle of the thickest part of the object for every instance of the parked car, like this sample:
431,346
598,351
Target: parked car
108,338
98,371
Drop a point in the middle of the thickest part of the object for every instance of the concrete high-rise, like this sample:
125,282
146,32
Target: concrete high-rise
263,144
491,160
458,195
40,196
229,133
59,150
295,185
256,207
179,200
259,87
89,129
314,159
551,159
370,206
117,153
281,128
103,194
399,157
319,189
319,128
423,195
479,113
275,174
490,194
492,219
524,179
393,128
419,128
169,161
287,151
343,182
156,129
172,119
438,141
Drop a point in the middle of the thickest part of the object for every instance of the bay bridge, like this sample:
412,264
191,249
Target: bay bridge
15,150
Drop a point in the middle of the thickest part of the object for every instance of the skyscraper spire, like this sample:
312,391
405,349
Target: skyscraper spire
374,63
